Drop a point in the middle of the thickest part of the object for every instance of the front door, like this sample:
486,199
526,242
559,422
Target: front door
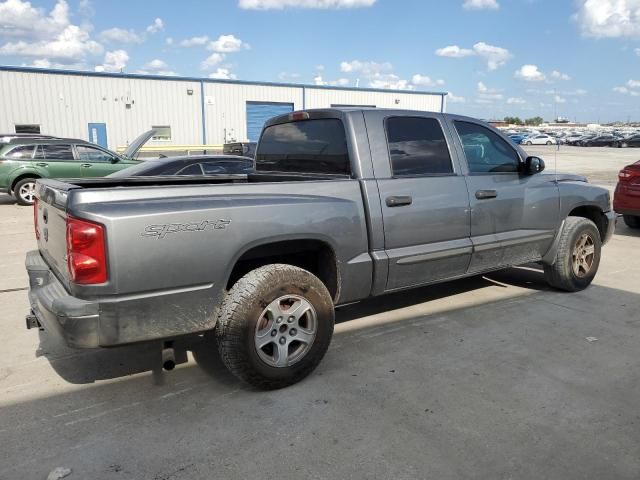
95,162
514,217
425,204
98,134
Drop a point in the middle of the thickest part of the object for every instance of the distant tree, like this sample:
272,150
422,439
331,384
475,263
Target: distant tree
513,120
535,121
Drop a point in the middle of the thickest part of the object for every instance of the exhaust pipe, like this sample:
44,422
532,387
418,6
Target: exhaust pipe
168,358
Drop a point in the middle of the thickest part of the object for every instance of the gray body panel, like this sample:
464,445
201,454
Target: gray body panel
172,246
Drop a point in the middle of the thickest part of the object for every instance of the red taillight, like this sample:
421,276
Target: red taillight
35,218
86,255
627,174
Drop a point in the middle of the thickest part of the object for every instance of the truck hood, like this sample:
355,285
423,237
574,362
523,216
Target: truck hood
138,143
565,176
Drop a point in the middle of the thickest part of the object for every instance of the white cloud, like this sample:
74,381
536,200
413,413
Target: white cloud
609,18
578,92
227,44
365,68
425,81
19,19
223,74
481,5
494,56
120,35
288,77
556,75
389,81
515,101
195,41
320,68
323,4
71,45
212,60
156,26
530,73
454,98
488,95
341,82
633,84
169,41
454,51
114,61
156,67
560,99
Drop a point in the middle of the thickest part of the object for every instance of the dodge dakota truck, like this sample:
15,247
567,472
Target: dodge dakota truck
345,204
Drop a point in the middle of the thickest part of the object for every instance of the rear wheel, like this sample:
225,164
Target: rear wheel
275,326
548,143
578,256
632,221
529,143
624,145
25,191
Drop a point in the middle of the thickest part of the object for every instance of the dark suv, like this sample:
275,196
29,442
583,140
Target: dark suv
23,159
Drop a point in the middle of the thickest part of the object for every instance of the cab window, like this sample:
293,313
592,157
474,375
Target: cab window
485,151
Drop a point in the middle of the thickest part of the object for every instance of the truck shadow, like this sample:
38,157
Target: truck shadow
88,366
7,199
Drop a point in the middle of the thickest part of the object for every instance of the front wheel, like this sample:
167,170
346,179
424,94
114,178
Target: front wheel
275,326
548,143
578,256
529,143
25,191
632,221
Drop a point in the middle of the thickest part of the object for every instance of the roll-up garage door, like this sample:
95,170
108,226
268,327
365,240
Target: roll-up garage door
259,112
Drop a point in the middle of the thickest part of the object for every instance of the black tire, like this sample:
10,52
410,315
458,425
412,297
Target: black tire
18,192
529,143
561,274
241,310
548,143
632,221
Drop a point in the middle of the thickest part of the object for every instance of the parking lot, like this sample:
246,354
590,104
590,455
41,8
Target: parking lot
488,377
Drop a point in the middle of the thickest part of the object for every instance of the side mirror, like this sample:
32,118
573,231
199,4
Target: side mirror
533,165
115,159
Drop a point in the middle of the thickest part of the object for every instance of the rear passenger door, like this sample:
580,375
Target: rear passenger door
514,216
57,160
425,204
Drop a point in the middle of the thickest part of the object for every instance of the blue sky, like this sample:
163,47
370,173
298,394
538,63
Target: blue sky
580,58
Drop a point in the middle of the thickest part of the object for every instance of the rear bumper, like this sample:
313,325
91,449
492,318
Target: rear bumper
626,203
107,322
75,320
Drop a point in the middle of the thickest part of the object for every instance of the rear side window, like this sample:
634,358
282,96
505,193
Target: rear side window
21,152
54,152
191,170
417,147
485,151
308,146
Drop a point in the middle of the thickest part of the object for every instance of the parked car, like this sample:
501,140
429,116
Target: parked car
189,165
25,159
243,149
517,139
540,139
605,140
345,204
630,141
626,200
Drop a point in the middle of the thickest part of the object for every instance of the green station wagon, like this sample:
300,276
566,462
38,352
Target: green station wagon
23,159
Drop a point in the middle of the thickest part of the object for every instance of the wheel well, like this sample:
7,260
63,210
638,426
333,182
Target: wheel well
595,215
23,176
314,256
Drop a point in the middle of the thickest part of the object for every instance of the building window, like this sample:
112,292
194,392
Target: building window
28,128
163,133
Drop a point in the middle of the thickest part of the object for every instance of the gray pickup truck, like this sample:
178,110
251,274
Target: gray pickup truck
345,204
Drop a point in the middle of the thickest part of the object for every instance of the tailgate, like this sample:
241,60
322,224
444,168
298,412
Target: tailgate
51,225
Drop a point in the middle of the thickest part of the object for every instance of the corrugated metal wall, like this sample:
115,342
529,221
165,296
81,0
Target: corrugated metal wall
64,104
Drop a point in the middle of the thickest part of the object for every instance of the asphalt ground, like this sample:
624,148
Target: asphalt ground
495,376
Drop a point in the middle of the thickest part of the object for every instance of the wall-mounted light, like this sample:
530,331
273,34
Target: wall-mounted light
189,91
397,101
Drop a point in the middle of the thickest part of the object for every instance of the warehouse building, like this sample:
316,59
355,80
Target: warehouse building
112,109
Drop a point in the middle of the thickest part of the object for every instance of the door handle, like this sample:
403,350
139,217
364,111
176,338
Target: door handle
42,164
485,194
399,201
86,165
